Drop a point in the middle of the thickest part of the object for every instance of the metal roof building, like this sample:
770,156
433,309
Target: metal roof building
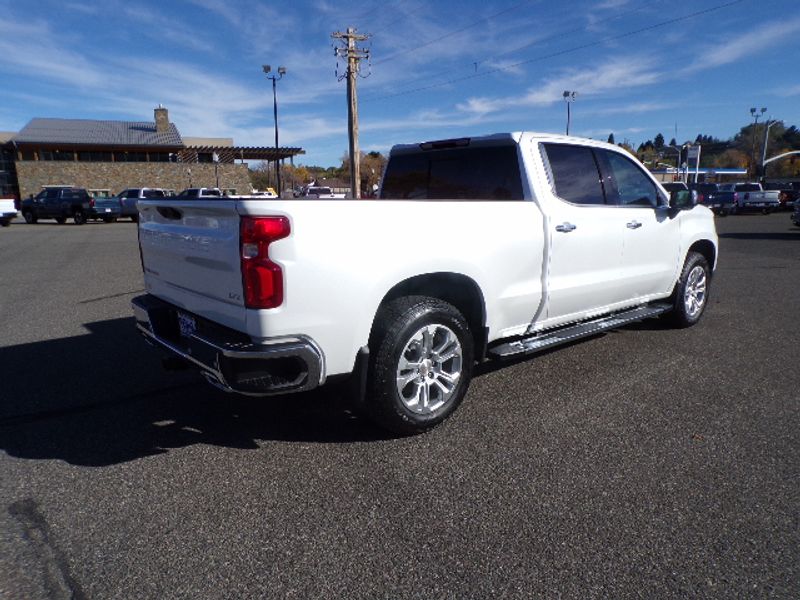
107,156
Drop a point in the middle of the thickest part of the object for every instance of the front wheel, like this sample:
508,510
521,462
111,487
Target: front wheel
690,297
30,218
420,366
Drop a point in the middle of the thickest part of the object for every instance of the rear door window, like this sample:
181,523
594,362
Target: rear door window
470,173
576,177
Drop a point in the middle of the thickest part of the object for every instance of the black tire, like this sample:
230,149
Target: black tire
398,335
134,218
5,223
28,216
79,217
61,220
722,212
688,301
109,219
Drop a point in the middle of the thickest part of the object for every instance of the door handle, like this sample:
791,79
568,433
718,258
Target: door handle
633,225
565,227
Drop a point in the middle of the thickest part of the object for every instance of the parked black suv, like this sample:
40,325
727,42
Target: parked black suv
59,203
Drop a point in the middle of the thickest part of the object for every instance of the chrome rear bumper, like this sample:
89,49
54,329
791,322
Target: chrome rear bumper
229,359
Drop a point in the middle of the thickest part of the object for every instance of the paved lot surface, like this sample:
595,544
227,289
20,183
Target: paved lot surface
644,463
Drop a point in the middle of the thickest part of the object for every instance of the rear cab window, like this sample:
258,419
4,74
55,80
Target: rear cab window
484,172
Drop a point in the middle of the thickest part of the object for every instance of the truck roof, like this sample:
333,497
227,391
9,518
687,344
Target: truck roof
496,139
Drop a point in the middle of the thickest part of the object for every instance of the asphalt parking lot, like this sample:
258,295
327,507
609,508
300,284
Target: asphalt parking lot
642,463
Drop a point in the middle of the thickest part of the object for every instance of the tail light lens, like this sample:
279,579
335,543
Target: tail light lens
262,279
91,202
700,198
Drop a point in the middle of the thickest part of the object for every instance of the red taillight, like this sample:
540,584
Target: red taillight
91,202
262,279
700,198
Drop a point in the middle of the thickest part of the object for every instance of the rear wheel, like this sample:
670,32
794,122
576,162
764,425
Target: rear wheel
690,298
61,220
135,218
420,365
79,217
30,218
109,219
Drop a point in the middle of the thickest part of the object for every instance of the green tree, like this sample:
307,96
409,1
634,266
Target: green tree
658,142
610,138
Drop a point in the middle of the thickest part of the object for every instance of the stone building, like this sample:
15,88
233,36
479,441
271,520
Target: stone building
109,156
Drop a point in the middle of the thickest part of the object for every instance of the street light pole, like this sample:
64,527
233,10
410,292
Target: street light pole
281,73
569,97
755,114
677,159
769,124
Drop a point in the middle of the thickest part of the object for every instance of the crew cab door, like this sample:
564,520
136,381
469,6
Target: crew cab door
51,205
651,234
584,272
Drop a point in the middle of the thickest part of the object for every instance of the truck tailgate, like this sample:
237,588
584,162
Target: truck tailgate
190,256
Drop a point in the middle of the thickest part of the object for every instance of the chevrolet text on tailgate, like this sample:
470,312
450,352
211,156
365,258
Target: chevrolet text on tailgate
475,249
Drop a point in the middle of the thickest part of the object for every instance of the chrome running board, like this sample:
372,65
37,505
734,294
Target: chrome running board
564,335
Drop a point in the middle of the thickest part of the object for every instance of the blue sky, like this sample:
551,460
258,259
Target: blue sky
438,69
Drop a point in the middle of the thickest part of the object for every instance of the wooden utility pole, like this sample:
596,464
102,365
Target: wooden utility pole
354,55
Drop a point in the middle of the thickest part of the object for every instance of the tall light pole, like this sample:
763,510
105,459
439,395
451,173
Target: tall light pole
679,150
281,73
569,97
755,114
764,149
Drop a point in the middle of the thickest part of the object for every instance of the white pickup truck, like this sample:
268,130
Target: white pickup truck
317,193
752,196
475,249
7,211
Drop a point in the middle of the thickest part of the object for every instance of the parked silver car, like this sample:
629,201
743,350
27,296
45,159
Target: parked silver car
129,197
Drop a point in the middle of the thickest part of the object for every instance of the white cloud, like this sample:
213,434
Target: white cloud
614,77
28,48
745,45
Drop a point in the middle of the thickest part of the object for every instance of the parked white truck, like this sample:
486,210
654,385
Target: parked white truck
752,196
476,248
7,211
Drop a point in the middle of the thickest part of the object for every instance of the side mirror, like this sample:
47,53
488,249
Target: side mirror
682,199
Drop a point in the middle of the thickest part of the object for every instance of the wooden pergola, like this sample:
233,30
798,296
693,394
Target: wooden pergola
229,154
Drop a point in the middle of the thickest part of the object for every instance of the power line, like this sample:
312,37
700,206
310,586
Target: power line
455,32
556,54
535,42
